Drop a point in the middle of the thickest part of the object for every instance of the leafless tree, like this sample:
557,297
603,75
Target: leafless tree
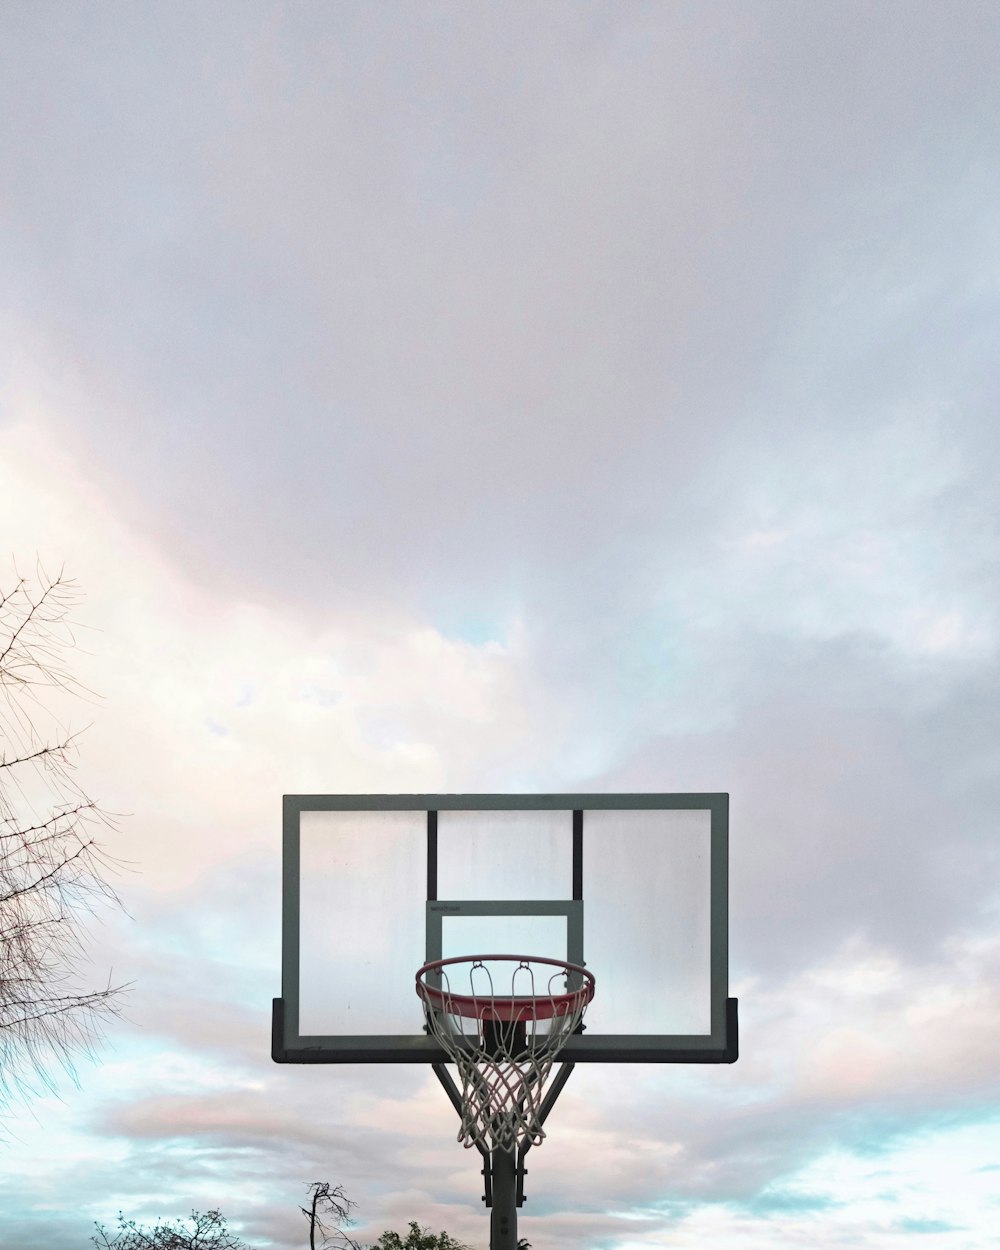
52,868
331,1203
208,1232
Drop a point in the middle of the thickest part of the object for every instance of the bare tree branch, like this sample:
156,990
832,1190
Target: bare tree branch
52,867
332,1203
208,1232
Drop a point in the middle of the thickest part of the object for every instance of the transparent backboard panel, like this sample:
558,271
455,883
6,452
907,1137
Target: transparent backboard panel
647,930
505,855
649,878
363,881
543,936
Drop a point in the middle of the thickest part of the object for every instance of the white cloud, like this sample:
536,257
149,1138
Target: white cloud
432,401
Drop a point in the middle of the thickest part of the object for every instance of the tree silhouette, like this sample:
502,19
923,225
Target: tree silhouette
328,1202
51,865
208,1232
418,1239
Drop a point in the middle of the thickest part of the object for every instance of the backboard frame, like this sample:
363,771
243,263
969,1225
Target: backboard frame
720,1045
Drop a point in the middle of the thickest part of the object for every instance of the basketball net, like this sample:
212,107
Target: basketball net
503,1045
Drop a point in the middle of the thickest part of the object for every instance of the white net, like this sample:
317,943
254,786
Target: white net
503,1045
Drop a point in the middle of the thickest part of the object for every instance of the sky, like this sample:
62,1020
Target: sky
532,398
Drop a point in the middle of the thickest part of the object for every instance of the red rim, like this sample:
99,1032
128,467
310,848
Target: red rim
506,1007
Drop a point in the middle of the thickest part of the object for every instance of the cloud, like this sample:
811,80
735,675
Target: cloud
525,325
603,399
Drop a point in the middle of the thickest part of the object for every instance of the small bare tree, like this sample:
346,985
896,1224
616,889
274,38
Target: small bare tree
331,1203
51,865
207,1232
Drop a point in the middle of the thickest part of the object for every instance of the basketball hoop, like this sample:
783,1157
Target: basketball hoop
503,1045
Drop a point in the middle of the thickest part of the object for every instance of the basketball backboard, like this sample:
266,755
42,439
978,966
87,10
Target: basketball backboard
633,886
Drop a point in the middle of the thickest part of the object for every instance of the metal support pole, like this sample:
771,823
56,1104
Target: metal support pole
503,1217
504,1171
